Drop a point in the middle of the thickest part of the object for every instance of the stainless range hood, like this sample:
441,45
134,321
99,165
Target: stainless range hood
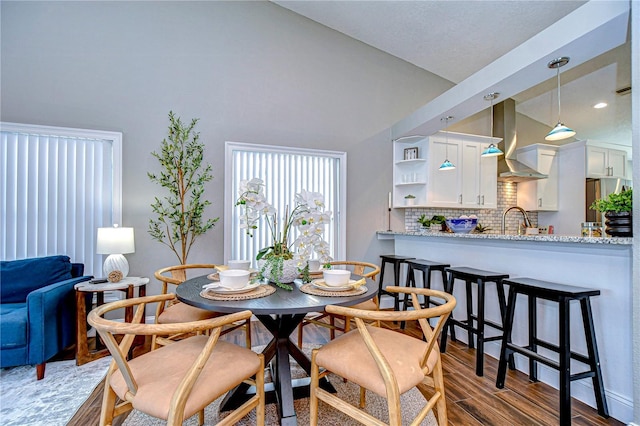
510,169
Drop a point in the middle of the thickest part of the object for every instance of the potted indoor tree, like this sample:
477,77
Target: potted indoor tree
180,215
618,211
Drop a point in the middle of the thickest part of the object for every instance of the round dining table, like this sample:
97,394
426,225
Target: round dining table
281,312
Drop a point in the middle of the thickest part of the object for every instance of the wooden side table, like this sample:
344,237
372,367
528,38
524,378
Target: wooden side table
126,285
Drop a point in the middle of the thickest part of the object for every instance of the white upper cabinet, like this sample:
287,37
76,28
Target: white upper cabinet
472,184
606,162
540,194
479,176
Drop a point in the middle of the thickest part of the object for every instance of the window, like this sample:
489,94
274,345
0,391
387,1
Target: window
57,186
285,172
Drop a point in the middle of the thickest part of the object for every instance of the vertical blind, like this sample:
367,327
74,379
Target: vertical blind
285,172
57,186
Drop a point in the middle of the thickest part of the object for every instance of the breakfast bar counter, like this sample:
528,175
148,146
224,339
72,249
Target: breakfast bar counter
600,263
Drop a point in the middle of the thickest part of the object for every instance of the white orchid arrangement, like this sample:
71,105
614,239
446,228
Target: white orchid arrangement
307,216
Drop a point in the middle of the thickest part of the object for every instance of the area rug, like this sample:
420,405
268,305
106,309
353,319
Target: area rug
51,401
412,402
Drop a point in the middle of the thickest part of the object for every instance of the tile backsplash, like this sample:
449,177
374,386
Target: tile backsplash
488,218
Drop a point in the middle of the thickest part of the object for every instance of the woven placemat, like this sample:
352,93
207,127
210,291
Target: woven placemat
311,289
260,291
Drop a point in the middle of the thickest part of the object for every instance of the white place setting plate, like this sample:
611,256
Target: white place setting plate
216,277
323,286
217,288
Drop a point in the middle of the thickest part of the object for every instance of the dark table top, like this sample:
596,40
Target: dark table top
280,302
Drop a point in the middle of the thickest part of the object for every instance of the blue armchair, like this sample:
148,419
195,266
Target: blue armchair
37,309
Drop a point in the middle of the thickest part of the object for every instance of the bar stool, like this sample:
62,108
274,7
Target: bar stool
563,294
397,262
427,267
480,277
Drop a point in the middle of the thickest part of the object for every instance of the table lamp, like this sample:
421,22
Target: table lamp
115,242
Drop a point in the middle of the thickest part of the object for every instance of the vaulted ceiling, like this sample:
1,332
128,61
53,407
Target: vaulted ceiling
455,39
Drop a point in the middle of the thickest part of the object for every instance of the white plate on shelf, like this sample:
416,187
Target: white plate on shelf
323,286
224,290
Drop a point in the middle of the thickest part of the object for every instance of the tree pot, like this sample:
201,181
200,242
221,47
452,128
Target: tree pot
619,224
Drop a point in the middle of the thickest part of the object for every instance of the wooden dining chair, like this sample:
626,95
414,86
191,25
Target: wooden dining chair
386,362
178,380
176,311
327,320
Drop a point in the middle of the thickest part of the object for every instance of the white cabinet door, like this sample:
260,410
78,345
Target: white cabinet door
617,163
443,186
479,177
606,162
470,167
540,194
597,164
548,188
488,181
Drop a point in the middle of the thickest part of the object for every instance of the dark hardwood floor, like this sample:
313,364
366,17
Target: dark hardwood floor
471,400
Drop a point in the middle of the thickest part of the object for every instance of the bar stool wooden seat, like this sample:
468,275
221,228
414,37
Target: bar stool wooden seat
396,261
563,295
480,277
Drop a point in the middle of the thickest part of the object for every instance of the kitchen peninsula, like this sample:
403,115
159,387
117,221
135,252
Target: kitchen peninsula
600,263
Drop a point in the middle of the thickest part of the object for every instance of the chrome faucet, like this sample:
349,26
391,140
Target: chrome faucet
527,222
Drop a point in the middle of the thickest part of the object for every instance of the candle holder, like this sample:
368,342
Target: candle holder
389,219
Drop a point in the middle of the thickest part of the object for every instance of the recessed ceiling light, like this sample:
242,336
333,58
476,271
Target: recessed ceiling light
600,105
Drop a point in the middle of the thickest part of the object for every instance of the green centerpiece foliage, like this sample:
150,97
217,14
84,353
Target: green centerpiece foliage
180,215
615,202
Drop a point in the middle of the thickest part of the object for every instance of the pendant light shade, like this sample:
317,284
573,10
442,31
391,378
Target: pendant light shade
446,164
492,150
560,131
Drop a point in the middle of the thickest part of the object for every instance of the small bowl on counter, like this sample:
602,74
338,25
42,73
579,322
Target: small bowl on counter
462,225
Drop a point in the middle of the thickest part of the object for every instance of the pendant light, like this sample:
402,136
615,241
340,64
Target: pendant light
560,131
446,164
492,150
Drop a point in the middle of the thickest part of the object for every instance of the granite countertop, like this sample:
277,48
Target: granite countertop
538,238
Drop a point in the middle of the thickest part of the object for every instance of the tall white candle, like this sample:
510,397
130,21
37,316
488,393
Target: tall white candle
389,200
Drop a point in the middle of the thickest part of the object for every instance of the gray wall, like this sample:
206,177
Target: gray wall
251,71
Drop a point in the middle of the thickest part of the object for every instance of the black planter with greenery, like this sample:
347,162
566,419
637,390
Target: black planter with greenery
618,211
619,224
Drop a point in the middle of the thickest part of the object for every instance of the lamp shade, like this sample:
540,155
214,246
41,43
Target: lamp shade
559,132
491,151
115,240
446,165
